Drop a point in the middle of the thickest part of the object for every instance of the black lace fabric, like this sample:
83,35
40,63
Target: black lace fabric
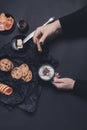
25,95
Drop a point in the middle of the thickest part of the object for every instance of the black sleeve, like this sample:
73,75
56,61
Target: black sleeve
75,23
80,87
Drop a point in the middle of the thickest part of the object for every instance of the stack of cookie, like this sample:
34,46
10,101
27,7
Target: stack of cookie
22,72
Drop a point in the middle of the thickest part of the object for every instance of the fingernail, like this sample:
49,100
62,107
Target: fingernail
52,82
41,43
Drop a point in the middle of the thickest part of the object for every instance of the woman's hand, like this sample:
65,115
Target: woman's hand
63,83
43,32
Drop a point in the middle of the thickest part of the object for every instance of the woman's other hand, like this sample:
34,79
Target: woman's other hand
63,83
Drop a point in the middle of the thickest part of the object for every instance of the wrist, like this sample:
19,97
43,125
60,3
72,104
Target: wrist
58,26
72,85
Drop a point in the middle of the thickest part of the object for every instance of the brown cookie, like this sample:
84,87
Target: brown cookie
16,73
6,65
5,89
28,77
24,68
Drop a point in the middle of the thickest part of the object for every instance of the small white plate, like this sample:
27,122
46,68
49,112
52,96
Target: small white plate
46,72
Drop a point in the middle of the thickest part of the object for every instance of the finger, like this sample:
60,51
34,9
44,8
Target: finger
59,85
35,40
55,79
38,33
60,80
57,75
37,36
43,38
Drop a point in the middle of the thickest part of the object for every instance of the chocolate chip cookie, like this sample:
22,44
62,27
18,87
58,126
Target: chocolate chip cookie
28,77
6,65
25,69
16,73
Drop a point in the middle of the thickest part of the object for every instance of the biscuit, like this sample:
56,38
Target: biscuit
28,77
24,68
5,89
39,47
6,65
16,73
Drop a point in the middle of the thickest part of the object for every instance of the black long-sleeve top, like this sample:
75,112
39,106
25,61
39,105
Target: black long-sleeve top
76,23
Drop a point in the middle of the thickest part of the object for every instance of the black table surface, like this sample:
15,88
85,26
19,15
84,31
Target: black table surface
56,110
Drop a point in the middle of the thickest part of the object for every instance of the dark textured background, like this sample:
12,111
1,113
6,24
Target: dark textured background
56,110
